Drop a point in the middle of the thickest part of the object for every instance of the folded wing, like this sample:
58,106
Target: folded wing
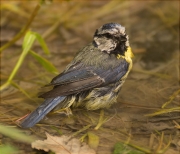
79,78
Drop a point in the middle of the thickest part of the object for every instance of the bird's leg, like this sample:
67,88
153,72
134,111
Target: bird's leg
101,120
68,111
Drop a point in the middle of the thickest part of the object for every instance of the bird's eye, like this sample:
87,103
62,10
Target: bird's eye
108,35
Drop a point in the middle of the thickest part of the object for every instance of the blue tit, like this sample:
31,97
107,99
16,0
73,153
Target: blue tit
94,77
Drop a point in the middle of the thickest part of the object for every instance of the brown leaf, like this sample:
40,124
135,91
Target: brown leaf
63,144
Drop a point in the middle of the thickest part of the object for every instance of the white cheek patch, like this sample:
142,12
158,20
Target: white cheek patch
105,44
96,39
127,42
122,30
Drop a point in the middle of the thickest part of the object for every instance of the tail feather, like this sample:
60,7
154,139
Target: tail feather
41,111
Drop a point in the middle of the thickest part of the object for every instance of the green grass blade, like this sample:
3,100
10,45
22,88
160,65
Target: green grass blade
42,43
15,134
44,62
7,149
27,44
28,41
22,90
123,148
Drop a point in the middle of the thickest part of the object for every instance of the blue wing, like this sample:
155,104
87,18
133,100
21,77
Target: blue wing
79,78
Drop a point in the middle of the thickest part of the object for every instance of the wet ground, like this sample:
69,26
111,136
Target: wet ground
153,29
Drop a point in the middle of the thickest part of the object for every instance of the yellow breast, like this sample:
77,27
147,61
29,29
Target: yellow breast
128,56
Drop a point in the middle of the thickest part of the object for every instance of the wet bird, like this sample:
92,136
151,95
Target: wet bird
94,77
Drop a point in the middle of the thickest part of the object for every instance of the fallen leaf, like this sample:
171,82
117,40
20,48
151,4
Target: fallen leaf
62,145
93,140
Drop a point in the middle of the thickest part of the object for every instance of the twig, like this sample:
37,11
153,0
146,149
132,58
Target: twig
81,130
173,96
163,111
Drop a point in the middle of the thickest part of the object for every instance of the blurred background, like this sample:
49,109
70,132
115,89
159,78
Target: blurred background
68,26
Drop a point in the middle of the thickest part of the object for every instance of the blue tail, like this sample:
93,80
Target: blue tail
41,111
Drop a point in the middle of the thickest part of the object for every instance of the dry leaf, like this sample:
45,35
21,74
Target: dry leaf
62,145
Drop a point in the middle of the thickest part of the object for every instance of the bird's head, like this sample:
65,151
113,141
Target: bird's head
112,39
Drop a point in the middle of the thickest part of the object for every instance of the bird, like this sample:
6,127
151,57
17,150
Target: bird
93,79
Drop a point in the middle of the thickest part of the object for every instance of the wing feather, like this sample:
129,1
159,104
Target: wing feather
79,78
74,87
